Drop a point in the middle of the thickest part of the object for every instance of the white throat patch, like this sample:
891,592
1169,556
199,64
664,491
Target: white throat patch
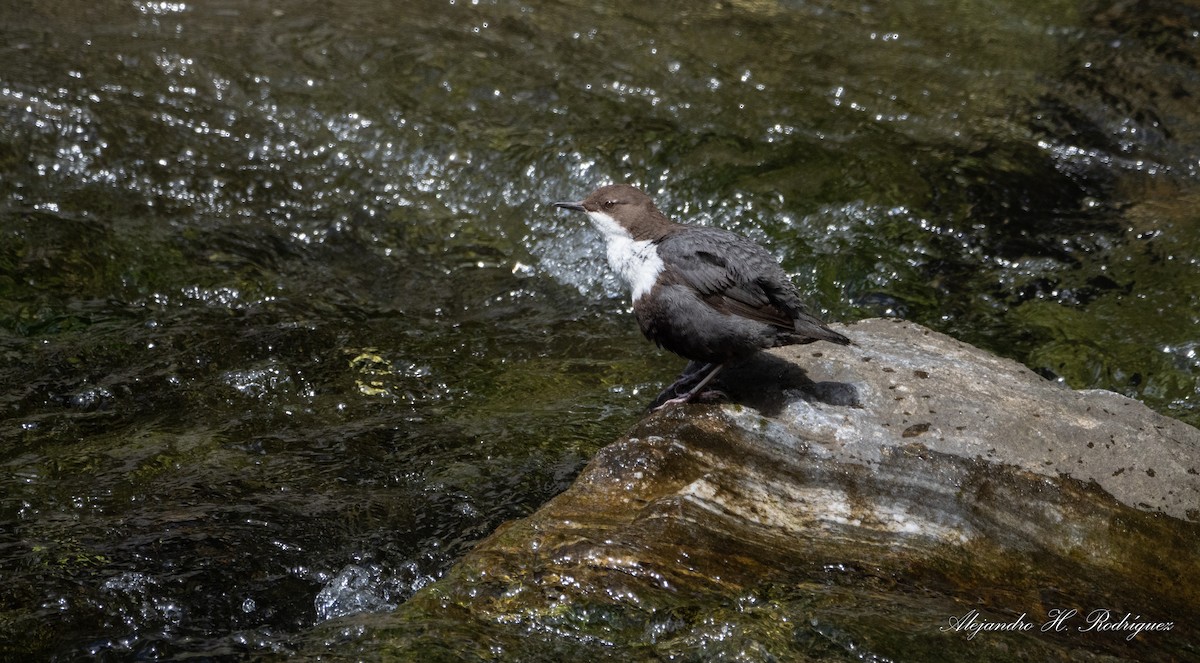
636,262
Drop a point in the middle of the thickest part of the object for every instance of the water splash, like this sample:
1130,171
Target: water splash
367,587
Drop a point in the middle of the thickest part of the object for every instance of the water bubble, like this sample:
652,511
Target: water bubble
91,398
368,587
355,589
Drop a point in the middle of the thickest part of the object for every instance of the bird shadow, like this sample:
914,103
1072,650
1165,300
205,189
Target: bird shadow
766,383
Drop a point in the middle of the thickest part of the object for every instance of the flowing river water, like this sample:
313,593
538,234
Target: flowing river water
288,321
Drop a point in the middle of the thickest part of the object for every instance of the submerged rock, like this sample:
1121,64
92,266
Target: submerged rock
907,498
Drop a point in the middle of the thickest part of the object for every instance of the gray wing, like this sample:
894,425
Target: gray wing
737,276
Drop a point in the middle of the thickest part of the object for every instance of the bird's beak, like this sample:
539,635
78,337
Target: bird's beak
574,207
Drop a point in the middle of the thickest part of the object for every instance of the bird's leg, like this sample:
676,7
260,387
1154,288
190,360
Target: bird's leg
716,368
690,372
687,378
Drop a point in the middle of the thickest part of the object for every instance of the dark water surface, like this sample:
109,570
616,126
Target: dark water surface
287,322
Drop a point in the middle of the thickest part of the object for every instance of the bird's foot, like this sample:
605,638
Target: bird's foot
706,396
695,393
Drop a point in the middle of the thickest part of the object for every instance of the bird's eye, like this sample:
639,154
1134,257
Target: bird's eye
609,203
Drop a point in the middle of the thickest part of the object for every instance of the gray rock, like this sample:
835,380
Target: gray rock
915,385
907,498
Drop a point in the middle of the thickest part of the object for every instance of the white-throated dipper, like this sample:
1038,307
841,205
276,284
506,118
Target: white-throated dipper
706,294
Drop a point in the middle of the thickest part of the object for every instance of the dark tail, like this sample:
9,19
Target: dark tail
810,327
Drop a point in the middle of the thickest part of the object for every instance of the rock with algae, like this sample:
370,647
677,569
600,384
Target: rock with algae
907,498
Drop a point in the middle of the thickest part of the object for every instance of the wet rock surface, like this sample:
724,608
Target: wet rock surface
916,386
907,498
